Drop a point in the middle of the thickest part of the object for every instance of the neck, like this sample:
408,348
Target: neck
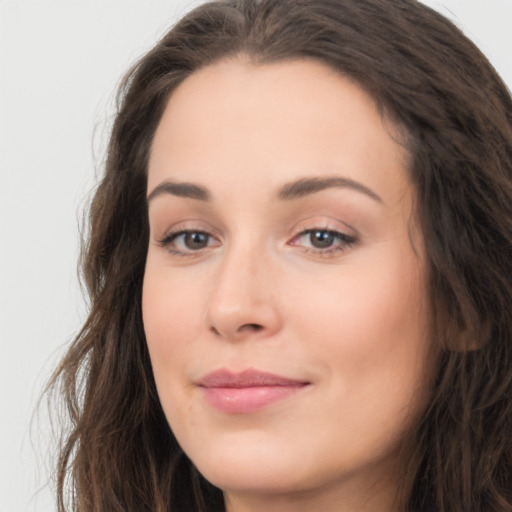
352,496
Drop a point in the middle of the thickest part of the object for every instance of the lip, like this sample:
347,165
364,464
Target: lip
247,391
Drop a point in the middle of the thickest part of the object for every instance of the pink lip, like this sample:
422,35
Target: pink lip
247,391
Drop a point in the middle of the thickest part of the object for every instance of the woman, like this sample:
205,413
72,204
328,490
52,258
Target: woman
299,265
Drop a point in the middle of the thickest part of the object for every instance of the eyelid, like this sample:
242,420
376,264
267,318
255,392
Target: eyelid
326,223
172,235
166,239
346,237
168,242
338,234
195,225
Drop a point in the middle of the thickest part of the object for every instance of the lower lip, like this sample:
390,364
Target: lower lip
248,399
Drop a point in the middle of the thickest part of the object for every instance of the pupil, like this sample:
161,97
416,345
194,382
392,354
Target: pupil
196,240
321,239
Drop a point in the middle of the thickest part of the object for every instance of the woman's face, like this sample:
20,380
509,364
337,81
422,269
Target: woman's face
284,300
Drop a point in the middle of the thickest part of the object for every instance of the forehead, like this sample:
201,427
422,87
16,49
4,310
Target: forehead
274,122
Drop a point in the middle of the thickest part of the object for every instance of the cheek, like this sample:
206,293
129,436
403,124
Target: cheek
171,323
369,307
372,333
371,324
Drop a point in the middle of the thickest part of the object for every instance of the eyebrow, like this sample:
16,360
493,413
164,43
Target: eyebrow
307,186
187,190
295,190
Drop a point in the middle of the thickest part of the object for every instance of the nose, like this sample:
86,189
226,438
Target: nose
243,303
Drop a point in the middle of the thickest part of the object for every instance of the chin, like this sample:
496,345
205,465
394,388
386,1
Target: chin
254,480
256,470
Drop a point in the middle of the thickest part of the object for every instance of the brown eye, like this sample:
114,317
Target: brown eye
188,242
323,242
321,239
195,240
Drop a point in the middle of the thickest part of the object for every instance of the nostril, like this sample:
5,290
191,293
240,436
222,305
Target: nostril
244,328
252,327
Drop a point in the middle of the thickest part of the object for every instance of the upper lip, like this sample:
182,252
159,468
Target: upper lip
224,378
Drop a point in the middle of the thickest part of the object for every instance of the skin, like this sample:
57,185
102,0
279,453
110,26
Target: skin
350,318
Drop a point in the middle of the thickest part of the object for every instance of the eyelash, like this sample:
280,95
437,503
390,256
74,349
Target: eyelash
167,242
344,242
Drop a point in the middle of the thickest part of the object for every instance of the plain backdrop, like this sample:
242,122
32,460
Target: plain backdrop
60,63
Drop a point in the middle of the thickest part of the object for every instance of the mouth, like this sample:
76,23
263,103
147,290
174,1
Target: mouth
248,391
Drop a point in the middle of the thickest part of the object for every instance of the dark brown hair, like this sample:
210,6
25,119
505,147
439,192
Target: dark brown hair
427,77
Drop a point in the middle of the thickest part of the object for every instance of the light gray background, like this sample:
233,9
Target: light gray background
60,62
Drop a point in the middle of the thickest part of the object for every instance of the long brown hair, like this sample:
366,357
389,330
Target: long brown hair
119,453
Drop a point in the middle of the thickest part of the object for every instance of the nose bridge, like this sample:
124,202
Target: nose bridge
242,299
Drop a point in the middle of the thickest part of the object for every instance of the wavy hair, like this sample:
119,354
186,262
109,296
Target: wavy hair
119,453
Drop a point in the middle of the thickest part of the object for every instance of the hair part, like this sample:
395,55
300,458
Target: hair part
426,77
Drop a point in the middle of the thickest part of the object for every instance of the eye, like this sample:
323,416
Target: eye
194,240
323,241
187,242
